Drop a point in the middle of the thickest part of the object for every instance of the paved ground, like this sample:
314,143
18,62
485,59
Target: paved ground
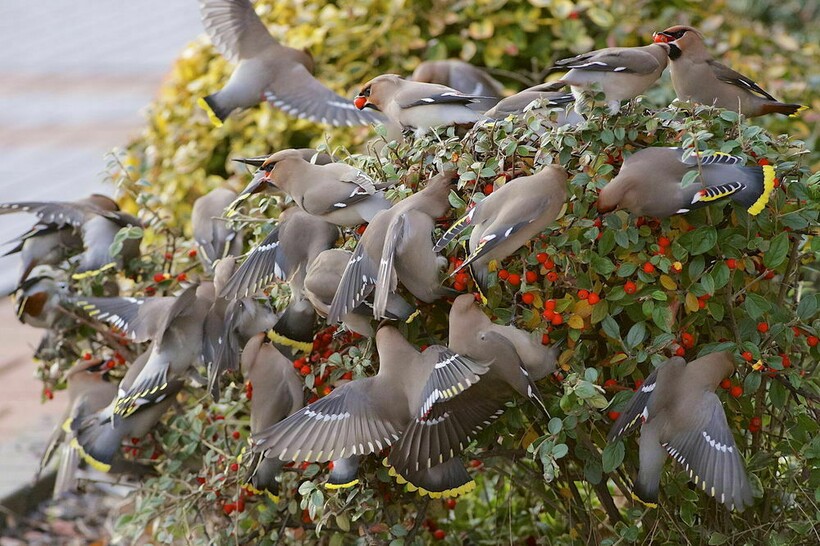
73,79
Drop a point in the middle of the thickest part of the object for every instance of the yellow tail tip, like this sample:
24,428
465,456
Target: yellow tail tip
91,461
640,500
412,317
211,115
768,187
93,273
346,485
302,346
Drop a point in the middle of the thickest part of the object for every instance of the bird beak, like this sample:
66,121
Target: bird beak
252,161
360,102
662,38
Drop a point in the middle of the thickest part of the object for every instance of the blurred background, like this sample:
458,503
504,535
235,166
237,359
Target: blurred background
74,79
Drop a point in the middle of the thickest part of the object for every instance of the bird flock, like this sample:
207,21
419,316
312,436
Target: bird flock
426,404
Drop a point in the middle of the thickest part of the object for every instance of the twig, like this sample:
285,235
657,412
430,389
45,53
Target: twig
419,518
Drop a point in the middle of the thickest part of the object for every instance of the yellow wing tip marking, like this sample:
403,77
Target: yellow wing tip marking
640,500
93,273
211,115
346,485
768,188
91,461
66,426
302,346
412,317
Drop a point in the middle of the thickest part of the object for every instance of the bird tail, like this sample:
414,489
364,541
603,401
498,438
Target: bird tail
262,478
762,191
344,474
449,479
97,442
216,113
782,108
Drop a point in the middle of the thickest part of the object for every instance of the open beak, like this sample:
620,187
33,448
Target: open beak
360,102
662,38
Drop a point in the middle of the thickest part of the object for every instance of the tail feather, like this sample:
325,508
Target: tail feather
216,113
781,108
449,479
767,183
262,479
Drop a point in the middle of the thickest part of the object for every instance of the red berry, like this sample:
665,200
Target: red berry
541,257
812,340
182,277
796,331
557,319
747,356
236,435
630,287
531,276
514,279
736,391
785,360
304,370
459,286
583,294
528,298
763,161
548,314
503,275
725,384
613,415
610,383
731,263
680,351
545,339
361,229
755,422
192,253
48,394
150,290
234,467
548,263
200,480
229,508
769,275
648,267
475,463
347,375
552,276
549,304
488,189
776,182
159,277
86,356
240,505
439,534
450,504
593,298
762,327
664,241
638,384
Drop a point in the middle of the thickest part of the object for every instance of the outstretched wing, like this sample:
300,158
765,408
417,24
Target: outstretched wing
636,412
138,318
358,280
264,264
234,28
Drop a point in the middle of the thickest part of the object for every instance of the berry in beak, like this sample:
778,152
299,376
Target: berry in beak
661,38
360,102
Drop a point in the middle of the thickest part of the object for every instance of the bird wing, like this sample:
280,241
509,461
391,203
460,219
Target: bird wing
56,213
138,318
456,229
354,175
386,279
727,75
446,96
628,60
264,264
346,422
358,280
301,95
331,196
234,28
636,411
708,452
448,479
451,375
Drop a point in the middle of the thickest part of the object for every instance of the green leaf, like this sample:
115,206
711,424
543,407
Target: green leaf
612,456
778,249
607,242
756,306
555,425
700,240
559,450
604,266
807,307
636,335
611,328
715,537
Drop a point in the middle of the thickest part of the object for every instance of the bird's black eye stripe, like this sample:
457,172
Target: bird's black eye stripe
679,34
366,92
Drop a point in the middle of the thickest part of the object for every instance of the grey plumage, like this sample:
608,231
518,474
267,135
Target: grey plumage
38,301
650,183
549,101
396,247
679,414
265,68
214,235
464,78
508,218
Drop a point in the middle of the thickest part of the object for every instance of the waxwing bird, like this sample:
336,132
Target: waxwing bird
140,319
214,236
508,218
679,413
322,282
294,331
697,77
98,437
650,183
397,246
549,101
88,392
515,360
464,78
367,415
38,301
337,193
178,347
267,69
417,105
623,73
277,392
96,220
285,254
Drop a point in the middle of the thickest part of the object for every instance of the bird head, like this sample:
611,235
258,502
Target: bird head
676,33
376,92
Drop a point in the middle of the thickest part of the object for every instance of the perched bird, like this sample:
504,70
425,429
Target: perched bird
515,360
261,183
367,415
322,282
508,218
464,78
277,392
88,393
38,301
294,331
285,254
337,193
397,246
697,77
417,105
623,73
267,69
178,347
98,437
678,413
650,183
214,236
96,219
549,101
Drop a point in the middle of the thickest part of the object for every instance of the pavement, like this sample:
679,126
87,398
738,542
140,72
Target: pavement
74,77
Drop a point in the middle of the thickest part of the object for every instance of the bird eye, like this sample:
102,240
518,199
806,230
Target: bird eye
366,92
679,34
